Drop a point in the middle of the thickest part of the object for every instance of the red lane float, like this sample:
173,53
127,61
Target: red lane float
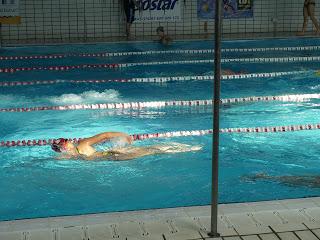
136,137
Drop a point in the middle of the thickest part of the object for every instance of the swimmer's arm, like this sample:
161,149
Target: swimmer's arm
102,137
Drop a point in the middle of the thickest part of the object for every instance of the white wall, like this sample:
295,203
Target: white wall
95,20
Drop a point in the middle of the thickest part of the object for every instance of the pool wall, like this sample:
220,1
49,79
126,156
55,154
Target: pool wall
50,21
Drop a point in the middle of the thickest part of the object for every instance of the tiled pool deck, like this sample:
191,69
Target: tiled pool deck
296,219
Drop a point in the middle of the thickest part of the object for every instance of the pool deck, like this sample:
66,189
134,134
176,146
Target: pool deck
296,219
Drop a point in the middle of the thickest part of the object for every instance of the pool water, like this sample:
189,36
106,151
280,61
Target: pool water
35,184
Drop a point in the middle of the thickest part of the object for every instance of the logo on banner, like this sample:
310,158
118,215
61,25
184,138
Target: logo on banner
244,4
231,9
158,10
9,12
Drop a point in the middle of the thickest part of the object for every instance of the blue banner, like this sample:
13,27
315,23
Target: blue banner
231,9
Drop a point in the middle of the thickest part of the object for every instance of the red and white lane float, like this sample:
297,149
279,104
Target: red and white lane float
136,137
151,52
150,79
126,65
163,104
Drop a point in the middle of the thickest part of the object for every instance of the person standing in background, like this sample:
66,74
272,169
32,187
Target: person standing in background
129,9
308,11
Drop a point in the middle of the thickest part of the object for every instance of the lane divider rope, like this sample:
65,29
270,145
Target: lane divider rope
161,104
150,79
125,65
136,137
151,52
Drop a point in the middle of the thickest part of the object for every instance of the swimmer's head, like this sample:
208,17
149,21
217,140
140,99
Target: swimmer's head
60,145
160,30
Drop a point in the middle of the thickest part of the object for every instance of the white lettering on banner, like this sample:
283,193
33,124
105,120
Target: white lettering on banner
9,8
158,10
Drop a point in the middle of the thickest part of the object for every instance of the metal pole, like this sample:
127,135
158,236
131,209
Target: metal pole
0,35
216,106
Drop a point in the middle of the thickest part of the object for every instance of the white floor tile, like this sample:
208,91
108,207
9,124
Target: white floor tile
10,235
5,226
312,225
185,223
313,212
317,232
266,206
41,234
99,232
182,228
252,237
278,222
224,229
306,235
235,208
316,200
29,224
288,236
246,224
70,233
269,237
298,203
232,238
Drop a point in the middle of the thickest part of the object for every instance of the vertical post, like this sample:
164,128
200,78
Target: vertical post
0,35
216,106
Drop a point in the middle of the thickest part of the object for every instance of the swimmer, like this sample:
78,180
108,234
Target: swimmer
231,72
164,39
312,181
84,149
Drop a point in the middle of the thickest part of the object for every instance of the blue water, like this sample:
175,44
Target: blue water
34,184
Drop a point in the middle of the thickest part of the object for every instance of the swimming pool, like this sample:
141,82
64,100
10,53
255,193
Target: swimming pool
34,184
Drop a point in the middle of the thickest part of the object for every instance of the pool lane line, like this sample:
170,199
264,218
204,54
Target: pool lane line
152,52
127,65
163,104
136,137
151,79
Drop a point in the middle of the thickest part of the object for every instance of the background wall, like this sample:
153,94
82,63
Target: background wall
51,21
